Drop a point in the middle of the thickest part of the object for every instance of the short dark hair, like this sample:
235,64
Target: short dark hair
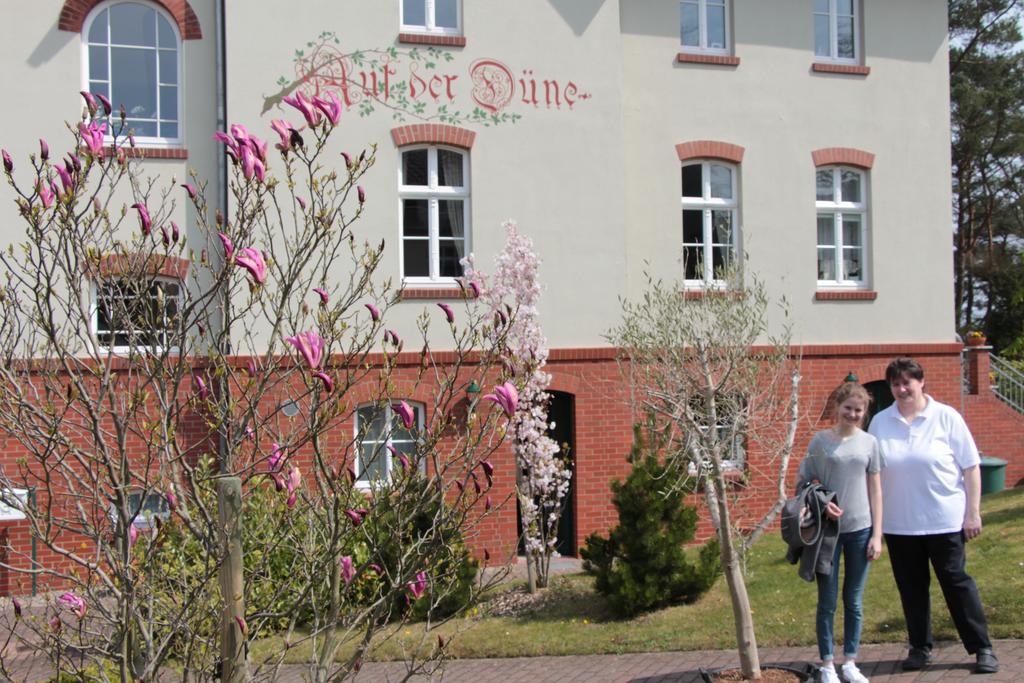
904,367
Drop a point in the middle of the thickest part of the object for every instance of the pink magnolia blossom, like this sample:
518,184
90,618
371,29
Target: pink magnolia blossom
144,220
199,388
243,627
348,160
374,312
229,247
92,136
294,479
90,101
361,194
302,203
46,195
310,345
305,106
505,395
73,603
487,504
190,189
8,162
331,107
322,293
348,571
284,131
419,586
474,288
17,607
252,260
133,534
393,336
175,232
405,412
276,457
68,184
107,107
449,314
355,516
44,149
326,380
172,501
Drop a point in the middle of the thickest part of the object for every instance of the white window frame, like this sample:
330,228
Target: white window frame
430,13
707,205
144,518
702,17
433,194
115,122
381,450
833,33
120,349
835,210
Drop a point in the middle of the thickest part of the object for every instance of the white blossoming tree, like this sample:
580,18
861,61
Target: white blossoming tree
542,478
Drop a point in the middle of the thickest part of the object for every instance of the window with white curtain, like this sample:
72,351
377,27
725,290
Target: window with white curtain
841,203
836,30
709,201
132,56
432,16
434,195
377,427
704,26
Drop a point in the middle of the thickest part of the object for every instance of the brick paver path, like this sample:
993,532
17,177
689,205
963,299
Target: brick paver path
880,663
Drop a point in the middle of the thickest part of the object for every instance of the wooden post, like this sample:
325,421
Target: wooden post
233,647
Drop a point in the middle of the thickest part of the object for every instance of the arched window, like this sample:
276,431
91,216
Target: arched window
133,57
710,201
434,193
841,203
377,427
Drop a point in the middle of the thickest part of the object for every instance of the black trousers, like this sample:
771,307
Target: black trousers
910,556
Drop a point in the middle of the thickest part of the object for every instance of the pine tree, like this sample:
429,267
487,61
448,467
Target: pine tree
643,565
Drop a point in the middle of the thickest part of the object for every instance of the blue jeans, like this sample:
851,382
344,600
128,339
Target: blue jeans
854,548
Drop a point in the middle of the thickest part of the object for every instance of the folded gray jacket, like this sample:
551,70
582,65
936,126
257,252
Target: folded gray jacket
810,534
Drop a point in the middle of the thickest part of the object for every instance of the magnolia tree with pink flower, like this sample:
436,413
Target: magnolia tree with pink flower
542,477
180,400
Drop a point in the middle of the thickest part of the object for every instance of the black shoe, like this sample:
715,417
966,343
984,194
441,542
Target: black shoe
918,658
986,661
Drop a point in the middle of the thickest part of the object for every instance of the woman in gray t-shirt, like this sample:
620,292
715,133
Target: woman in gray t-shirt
845,459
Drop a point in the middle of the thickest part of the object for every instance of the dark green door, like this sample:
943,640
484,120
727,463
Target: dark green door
881,398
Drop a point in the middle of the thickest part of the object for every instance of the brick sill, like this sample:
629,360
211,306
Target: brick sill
852,295
697,294
150,152
429,39
696,58
849,69
409,293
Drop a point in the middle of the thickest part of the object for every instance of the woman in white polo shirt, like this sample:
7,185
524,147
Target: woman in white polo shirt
931,491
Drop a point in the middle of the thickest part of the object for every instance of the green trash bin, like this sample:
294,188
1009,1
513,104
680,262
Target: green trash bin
993,474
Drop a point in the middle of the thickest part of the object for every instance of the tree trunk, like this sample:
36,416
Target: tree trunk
234,667
746,641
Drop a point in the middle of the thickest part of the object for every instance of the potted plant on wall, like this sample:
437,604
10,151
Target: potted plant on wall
976,338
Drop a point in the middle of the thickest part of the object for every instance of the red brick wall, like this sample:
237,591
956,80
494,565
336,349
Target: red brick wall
603,433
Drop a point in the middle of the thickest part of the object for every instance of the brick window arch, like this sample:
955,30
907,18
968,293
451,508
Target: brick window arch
843,156
433,134
74,12
710,149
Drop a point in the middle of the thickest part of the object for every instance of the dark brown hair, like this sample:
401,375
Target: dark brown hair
904,367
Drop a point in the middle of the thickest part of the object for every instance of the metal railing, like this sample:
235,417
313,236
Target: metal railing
1007,382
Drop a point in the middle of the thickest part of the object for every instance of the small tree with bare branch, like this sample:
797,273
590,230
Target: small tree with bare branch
717,373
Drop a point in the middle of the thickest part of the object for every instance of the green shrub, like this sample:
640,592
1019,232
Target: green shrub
429,541
642,564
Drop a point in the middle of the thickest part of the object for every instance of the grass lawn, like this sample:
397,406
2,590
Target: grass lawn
575,619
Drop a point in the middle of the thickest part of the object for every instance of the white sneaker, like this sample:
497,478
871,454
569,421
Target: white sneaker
828,675
852,674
